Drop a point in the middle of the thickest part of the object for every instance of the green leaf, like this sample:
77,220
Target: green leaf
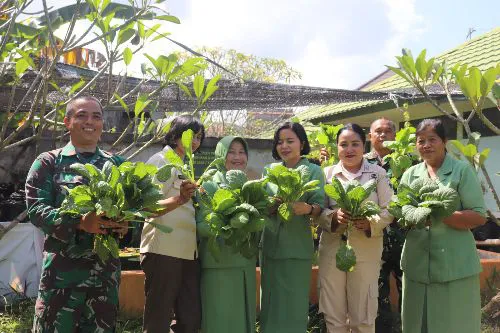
127,56
124,35
164,173
345,257
174,159
168,18
222,200
153,29
239,220
415,216
483,156
122,103
187,141
488,80
198,86
76,86
211,88
185,90
81,170
421,65
496,90
438,72
21,66
236,179
141,103
408,64
140,127
285,211
400,73
95,174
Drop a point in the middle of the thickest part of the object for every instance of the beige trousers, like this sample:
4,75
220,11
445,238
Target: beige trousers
348,301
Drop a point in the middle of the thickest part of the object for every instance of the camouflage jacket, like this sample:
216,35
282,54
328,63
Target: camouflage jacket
373,158
68,259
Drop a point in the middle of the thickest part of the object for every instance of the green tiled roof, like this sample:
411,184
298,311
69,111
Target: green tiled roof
320,111
482,52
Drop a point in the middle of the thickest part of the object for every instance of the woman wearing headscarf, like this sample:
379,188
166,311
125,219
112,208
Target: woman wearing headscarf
228,281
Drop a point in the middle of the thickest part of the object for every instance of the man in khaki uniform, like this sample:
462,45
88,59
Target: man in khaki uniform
353,294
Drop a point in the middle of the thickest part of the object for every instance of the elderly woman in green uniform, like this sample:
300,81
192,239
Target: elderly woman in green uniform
287,249
227,284
440,263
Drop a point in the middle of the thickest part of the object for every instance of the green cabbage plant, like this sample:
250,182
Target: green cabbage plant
291,185
423,199
351,199
123,193
234,213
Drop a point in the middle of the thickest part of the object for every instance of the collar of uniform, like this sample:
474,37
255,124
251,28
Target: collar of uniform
372,155
365,167
70,150
447,166
445,169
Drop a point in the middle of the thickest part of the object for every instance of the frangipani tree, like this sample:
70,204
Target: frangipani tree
123,31
477,86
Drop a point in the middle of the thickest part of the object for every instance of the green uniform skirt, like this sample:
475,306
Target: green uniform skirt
228,300
285,295
449,307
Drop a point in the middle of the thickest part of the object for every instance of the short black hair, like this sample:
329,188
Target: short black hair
299,130
179,125
435,124
391,123
355,128
70,107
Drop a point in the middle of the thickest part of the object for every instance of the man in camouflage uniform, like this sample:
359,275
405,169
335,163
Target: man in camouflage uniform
77,292
384,130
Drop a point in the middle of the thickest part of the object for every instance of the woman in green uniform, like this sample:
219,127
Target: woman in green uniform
227,285
287,249
440,262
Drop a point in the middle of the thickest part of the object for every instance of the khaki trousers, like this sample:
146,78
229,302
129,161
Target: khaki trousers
349,301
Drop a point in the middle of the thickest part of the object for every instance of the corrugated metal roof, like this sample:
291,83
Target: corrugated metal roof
482,52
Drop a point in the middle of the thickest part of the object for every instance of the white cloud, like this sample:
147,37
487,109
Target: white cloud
333,43
405,24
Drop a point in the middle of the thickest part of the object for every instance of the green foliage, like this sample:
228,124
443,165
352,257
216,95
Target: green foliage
234,214
124,193
353,199
402,153
292,184
246,66
419,71
476,85
345,257
187,170
424,199
470,151
326,137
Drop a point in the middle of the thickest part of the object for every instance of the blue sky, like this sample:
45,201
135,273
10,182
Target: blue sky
333,43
